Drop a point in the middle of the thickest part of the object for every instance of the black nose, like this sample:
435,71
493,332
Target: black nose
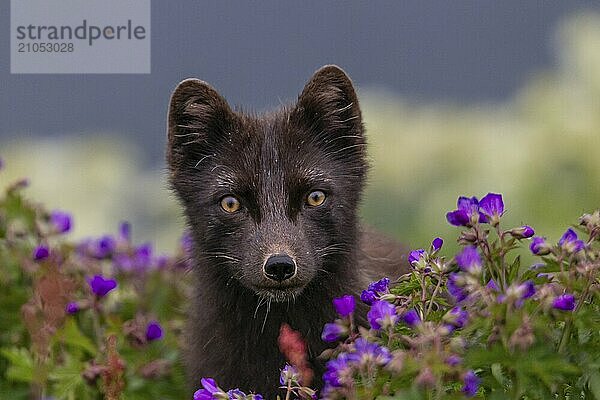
280,267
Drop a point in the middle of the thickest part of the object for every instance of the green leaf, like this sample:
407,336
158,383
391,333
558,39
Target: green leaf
67,379
594,384
499,375
21,364
72,335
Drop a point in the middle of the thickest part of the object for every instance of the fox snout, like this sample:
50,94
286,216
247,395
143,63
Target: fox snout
280,267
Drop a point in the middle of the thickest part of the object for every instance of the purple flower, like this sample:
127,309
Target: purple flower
453,360
457,317
41,252
437,244
72,308
344,305
210,390
564,302
333,332
143,256
162,261
570,243
411,318
104,247
467,212
539,246
368,297
100,286
367,354
455,288
492,207
288,374
415,256
492,286
523,232
141,260
382,315
380,286
236,394
61,221
526,290
471,384
125,231
469,260
338,371
153,331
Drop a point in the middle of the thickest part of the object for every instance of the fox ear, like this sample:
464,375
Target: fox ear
198,117
328,107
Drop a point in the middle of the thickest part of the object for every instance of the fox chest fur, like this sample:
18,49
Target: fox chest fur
271,202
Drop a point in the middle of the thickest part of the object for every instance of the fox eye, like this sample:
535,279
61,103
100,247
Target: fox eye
230,204
315,198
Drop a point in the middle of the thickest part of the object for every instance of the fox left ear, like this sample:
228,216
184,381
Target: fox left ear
328,107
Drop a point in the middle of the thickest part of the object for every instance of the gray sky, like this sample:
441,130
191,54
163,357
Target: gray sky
260,53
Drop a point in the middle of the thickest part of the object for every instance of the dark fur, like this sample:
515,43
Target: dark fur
270,162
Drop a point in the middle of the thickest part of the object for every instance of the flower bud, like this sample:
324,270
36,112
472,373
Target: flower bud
436,245
523,232
467,237
539,246
591,221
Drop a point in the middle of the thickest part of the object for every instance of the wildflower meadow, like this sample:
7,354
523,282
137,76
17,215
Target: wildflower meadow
103,317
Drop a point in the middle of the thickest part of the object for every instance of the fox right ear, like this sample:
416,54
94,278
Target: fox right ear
198,115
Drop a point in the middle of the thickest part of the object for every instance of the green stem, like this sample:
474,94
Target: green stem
435,291
564,340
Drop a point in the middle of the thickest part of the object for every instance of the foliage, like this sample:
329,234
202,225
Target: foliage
103,317
66,331
480,324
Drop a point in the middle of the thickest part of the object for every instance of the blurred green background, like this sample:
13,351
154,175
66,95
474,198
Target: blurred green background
540,149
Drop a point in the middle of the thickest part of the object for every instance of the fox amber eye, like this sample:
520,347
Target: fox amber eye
315,198
230,204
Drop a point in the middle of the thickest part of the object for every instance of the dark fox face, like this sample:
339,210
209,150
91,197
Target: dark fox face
271,200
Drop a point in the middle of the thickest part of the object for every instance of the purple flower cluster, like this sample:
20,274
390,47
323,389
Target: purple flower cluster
119,249
471,211
375,290
569,243
365,356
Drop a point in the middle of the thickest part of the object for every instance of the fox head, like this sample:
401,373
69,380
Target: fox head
271,200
